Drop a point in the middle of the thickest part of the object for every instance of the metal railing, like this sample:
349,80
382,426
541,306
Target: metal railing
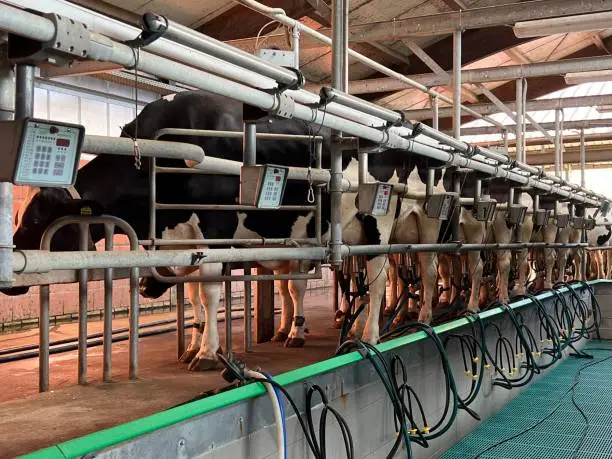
85,243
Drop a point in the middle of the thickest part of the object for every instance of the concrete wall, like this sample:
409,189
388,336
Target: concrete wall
247,430
604,296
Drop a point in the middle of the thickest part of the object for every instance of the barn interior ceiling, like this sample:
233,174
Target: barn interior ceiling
486,47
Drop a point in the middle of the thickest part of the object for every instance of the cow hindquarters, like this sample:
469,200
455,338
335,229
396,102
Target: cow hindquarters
210,292
366,325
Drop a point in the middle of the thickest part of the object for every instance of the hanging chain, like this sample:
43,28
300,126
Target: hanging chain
311,197
137,161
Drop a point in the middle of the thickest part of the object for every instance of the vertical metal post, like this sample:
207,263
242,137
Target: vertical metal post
295,33
107,340
249,145
152,200
363,168
249,158
505,137
457,84
435,105
43,339
582,159
519,120
133,320
536,202
24,91
318,193
557,143
340,82
82,347
477,190
7,107
228,317
180,319
248,332
455,222
429,186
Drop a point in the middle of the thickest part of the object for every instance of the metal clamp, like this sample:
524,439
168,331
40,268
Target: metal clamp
285,108
70,41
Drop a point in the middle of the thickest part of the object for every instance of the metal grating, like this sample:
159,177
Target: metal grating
559,435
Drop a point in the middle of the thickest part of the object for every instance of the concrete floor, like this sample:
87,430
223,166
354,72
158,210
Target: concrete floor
30,421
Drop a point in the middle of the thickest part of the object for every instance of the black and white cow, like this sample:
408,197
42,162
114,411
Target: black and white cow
113,184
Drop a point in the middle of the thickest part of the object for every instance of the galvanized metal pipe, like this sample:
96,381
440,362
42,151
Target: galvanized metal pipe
7,108
435,105
159,206
134,315
41,261
207,242
249,152
519,121
107,352
582,159
82,351
180,319
103,145
319,195
43,338
457,84
200,42
248,308
558,143
228,319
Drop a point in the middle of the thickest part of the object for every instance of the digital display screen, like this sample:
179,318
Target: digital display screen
62,143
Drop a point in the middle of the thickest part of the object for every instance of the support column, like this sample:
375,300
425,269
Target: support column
582,159
7,107
519,121
558,143
340,82
457,84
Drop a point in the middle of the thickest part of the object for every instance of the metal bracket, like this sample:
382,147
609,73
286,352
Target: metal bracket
562,220
71,41
441,205
484,209
516,214
541,217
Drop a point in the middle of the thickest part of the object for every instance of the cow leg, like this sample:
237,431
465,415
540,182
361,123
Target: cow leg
367,328
445,276
286,311
522,260
193,293
429,280
504,259
393,284
206,358
297,289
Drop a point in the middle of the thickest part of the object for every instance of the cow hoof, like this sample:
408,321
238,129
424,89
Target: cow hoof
295,342
188,355
280,336
338,319
204,364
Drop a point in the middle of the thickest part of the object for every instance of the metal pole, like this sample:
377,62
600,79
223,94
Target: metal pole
435,105
295,34
457,84
180,319
24,96
228,317
582,159
363,167
248,309
249,145
107,339
82,352
43,339
133,321
519,120
339,82
7,107
557,143
318,193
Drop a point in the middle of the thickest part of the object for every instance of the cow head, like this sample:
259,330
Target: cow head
150,287
42,206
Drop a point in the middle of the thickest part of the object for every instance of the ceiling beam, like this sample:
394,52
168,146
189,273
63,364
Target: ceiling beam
541,141
532,106
477,18
505,73
571,155
580,124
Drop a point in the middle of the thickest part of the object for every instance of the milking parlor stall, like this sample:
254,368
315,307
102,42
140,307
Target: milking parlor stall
302,229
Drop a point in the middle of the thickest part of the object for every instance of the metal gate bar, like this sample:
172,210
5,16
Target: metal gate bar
85,243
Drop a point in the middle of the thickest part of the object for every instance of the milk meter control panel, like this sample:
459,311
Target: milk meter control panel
40,152
263,186
374,198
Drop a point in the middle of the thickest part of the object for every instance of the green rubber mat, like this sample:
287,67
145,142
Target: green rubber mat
537,433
